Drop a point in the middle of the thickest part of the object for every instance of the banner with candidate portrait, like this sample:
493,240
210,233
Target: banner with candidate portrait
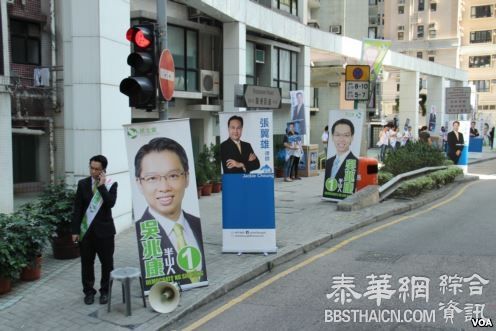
297,113
165,203
343,151
458,143
248,210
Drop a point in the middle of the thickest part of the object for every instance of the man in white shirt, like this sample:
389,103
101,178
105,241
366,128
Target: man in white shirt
162,176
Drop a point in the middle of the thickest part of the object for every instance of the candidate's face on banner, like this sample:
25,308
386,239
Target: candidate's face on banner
299,98
342,138
235,129
163,181
456,126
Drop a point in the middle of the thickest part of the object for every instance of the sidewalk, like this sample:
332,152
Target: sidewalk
303,221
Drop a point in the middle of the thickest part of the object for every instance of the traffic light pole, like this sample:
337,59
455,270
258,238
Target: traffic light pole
162,106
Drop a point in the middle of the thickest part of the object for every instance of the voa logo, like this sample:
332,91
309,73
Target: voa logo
482,322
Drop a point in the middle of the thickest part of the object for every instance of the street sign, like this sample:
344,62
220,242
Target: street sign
458,100
357,82
166,74
262,97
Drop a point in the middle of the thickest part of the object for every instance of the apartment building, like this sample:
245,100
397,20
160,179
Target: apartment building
478,53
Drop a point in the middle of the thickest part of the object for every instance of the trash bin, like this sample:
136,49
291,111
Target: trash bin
309,161
367,172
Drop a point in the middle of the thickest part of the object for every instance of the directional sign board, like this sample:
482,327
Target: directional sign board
458,100
262,97
357,82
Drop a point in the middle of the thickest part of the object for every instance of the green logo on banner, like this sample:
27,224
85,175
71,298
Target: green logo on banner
331,184
132,133
189,258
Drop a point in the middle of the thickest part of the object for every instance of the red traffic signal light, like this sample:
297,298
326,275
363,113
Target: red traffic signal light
141,86
141,36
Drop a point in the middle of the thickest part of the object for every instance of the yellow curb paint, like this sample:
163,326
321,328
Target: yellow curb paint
312,259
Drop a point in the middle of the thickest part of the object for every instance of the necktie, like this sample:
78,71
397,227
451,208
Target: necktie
178,230
95,186
238,144
335,167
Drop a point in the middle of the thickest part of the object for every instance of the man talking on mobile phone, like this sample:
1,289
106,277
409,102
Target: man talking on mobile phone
93,227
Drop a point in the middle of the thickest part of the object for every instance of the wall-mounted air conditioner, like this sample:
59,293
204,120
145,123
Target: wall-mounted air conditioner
335,29
209,82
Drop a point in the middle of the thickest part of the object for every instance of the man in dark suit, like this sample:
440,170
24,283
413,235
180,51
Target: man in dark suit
298,113
237,156
341,169
95,233
455,143
162,176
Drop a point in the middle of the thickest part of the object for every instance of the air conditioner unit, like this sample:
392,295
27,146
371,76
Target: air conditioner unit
335,29
11,1
401,28
209,82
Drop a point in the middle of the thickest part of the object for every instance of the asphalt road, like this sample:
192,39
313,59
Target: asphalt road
442,246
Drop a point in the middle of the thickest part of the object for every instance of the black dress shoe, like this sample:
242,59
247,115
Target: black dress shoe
103,299
89,299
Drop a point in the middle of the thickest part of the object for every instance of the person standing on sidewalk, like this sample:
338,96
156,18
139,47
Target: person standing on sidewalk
93,227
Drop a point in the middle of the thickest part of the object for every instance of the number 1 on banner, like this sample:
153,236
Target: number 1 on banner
189,258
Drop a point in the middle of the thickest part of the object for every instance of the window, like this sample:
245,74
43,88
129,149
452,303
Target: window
481,11
183,44
284,71
25,42
479,61
420,31
401,10
432,34
419,55
480,37
372,2
433,6
289,6
401,35
421,5
373,32
481,85
250,63
431,58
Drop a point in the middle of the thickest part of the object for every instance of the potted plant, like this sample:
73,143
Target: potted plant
217,176
12,253
205,160
57,206
36,233
200,179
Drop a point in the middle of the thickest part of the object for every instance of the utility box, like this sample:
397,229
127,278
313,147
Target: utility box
309,161
367,172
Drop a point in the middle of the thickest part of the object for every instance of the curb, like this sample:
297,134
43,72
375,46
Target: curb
278,260
482,160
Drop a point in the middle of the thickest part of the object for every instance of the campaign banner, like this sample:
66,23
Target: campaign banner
458,143
297,114
165,203
341,167
373,53
248,210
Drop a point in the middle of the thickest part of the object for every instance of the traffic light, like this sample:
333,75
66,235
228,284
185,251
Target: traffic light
141,86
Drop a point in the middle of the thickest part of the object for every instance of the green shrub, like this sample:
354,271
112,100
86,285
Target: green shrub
384,177
13,248
414,187
412,157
